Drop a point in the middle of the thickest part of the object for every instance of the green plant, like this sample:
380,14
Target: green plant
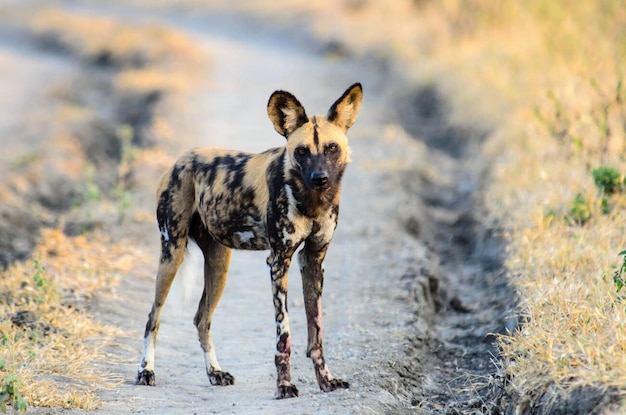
10,394
555,122
580,211
607,179
605,208
92,190
618,274
125,134
42,285
11,383
39,276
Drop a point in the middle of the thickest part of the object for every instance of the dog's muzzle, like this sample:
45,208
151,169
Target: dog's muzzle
319,179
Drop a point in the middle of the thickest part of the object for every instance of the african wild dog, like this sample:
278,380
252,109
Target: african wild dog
274,200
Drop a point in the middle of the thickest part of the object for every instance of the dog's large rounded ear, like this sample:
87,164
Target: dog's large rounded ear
286,113
344,111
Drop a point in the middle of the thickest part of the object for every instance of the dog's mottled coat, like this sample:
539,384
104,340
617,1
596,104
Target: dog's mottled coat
278,200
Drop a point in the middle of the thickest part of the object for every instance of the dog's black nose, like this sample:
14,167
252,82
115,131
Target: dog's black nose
319,178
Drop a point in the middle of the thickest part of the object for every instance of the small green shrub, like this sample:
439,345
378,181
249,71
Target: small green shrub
10,394
607,180
11,385
580,211
605,207
618,275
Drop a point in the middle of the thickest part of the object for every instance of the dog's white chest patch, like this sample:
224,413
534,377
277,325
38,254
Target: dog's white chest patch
245,236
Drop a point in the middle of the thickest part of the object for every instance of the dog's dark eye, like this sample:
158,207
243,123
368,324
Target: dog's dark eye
302,151
332,148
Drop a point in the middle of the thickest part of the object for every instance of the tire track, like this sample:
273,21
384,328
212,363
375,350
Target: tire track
476,300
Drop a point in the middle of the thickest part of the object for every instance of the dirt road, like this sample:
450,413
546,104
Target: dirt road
364,321
408,275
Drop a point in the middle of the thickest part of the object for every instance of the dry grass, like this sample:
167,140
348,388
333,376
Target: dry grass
52,343
559,66
148,56
108,41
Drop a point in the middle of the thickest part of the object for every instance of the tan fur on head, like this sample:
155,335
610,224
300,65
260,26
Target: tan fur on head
287,114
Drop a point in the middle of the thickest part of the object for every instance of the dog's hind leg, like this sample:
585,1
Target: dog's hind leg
312,270
174,214
216,263
165,276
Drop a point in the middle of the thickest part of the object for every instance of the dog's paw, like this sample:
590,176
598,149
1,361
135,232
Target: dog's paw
221,378
286,390
332,384
146,377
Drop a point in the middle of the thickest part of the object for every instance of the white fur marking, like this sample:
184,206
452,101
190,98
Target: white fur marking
164,233
184,293
290,118
210,360
147,358
245,236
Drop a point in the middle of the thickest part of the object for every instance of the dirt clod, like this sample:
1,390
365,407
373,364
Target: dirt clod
31,322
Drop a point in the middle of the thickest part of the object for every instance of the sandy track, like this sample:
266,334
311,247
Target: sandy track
26,76
364,311
366,259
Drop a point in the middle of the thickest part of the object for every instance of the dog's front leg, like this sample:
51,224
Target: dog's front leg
279,265
311,267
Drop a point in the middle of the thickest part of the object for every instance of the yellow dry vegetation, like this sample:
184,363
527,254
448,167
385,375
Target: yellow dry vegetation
108,40
148,56
51,342
567,118
560,66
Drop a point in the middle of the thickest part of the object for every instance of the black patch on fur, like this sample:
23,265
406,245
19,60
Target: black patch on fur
281,345
236,169
150,327
175,177
207,170
197,230
165,219
311,202
316,134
